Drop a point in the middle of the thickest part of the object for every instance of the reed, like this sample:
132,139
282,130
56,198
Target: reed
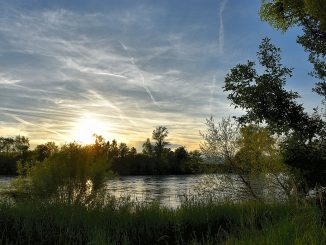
194,222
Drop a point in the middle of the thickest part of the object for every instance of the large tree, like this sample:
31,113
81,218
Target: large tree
265,100
310,15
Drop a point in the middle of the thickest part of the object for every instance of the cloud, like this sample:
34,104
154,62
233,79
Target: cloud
61,64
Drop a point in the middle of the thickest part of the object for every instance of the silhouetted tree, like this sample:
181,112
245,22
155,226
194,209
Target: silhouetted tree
43,151
195,163
7,144
13,149
159,135
123,150
181,157
113,149
148,148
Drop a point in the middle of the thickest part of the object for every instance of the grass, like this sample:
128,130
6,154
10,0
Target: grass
42,222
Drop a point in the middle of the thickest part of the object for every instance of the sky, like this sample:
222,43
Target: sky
69,69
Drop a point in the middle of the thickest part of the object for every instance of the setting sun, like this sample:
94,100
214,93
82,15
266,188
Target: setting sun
85,128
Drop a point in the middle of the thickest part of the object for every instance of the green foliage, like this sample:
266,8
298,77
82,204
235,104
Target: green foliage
283,14
16,158
265,100
311,16
75,174
249,153
157,159
264,97
258,152
247,150
43,151
18,144
309,158
13,149
195,222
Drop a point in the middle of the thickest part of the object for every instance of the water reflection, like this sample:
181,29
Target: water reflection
168,190
172,190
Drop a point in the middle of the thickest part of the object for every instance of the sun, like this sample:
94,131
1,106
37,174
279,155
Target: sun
85,128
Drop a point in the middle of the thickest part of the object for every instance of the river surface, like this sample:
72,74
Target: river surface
167,190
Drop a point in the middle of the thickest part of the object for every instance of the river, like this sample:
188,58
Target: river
167,190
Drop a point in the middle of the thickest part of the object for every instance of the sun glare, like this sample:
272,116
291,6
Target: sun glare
85,128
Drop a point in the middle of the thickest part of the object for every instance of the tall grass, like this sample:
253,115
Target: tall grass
43,222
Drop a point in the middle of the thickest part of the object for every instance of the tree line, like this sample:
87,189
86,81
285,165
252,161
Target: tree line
156,157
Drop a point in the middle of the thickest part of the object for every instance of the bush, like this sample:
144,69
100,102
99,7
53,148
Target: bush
76,174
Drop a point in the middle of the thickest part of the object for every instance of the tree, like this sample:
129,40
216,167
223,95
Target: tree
257,150
181,154
181,157
220,141
6,144
249,153
148,148
265,100
264,97
195,162
309,158
75,174
113,149
21,144
311,16
43,151
159,134
18,144
123,150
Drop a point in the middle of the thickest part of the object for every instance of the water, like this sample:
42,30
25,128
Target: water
5,182
171,190
167,190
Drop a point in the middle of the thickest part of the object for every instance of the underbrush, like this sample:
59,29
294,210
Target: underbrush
44,222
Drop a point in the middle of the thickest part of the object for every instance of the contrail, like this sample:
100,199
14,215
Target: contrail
96,71
132,61
221,31
212,94
107,102
220,50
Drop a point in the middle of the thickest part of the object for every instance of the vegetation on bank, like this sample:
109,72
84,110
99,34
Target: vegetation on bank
155,159
42,222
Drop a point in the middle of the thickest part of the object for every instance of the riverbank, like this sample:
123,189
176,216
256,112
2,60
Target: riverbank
194,222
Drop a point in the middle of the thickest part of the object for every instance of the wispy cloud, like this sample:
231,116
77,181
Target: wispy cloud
63,64
221,28
4,80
